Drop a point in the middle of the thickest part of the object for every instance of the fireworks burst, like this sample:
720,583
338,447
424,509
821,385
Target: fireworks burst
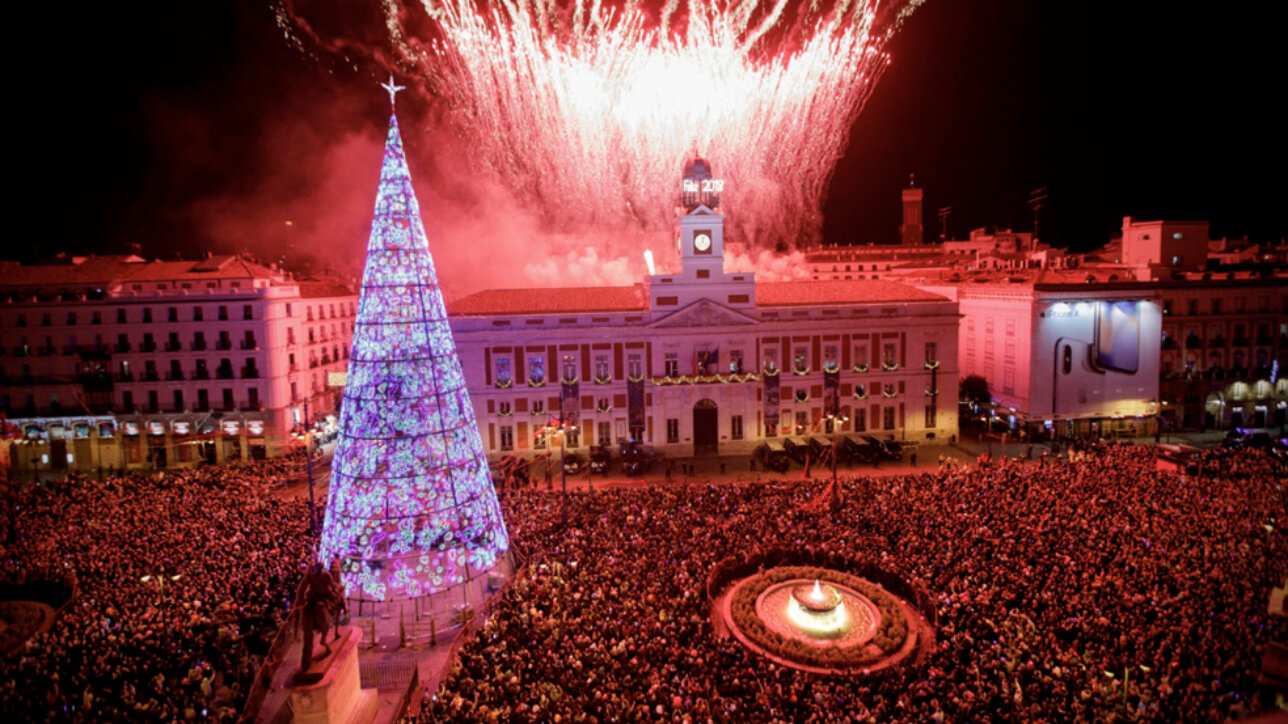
589,112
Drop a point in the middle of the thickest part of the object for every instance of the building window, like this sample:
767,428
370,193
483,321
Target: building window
96,317
888,413
672,430
1194,306
735,361
1008,381
672,366
931,352
172,314
223,313
930,416
507,437
861,356
536,370
538,407
735,427
503,378
800,360
888,359
634,366
248,312
569,369
771,360
604,432
147,315
603,374
831,361
860,419
802,422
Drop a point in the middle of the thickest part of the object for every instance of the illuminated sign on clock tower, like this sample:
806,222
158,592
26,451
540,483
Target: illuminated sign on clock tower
701,225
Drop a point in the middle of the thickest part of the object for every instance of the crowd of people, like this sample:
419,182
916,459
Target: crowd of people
181,577
1098,589
1092,589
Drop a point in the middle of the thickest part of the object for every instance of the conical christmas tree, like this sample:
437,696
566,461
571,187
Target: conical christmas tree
411,508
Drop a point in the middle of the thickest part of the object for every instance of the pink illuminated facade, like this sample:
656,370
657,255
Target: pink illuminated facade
121,362
704,361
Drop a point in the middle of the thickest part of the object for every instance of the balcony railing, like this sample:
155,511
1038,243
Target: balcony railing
201,374
173,346
250,373
224,344
148,347
173,375
122,347
198,345
249,344
151,376
252,405
124,376
224,373
1240,341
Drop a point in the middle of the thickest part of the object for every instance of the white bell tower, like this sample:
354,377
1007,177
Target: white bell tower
700,235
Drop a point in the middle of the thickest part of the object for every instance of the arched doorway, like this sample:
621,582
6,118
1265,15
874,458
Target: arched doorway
706,428
1213,411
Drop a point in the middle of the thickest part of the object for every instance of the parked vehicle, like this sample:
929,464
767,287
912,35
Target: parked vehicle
771,456
1241,437
856,447
600,458
820,449
637,459
887,449
574,463
797,449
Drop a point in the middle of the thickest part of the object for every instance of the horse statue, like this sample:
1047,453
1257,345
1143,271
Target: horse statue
321,602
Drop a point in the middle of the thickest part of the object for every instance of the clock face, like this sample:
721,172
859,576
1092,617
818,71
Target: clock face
702,242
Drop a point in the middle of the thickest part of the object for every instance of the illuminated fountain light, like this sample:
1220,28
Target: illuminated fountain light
818,612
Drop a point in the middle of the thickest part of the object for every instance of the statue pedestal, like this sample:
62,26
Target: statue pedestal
334,694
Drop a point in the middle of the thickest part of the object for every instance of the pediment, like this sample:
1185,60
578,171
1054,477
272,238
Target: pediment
705,313
704,210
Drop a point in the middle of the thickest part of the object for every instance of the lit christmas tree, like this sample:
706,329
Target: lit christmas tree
411,508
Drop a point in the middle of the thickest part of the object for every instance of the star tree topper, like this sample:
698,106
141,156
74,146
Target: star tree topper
392,88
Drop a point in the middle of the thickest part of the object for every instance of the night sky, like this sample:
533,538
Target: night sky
191,126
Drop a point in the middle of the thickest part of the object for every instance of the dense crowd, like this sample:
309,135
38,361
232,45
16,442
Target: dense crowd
182,579
1091,590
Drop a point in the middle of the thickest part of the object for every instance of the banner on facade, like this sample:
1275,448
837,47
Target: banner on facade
570,402
831,393
771,404
635,408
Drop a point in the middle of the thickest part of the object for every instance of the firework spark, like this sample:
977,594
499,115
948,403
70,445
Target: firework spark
589,112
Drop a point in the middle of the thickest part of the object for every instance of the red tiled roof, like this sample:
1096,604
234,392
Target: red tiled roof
551,301
791,294
315,288
105,270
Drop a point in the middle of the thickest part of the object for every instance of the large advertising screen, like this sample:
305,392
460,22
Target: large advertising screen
1118,336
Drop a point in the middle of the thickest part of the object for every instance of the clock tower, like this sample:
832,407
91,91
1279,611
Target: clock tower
699,229
700,225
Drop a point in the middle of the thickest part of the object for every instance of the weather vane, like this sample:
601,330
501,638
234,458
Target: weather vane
392,88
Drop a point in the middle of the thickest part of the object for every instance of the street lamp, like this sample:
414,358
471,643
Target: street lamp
563,430
160,578
308,466
836,421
